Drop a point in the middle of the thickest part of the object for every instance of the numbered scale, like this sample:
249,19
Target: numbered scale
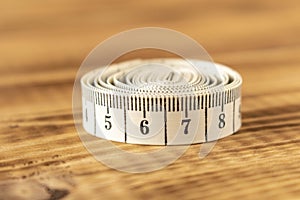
162,101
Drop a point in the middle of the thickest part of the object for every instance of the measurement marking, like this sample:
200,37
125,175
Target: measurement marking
120,102
140,104
125,125
217,97
174,100
100,99
227,97
144,108
186,107
190,103
108,100
127,103
165,119
106,97
233,121
104,102
97,97
222,105
148,106
117,101
86,114
144,112
114,101
160,104
152,105
169,105
111,101
205,118
95,120
107,110
181,103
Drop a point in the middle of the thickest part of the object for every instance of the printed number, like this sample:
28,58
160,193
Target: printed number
186,128
222,120
143,127
107,122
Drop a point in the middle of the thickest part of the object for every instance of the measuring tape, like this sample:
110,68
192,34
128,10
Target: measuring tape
162,102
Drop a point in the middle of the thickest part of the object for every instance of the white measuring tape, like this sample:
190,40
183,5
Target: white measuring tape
162,102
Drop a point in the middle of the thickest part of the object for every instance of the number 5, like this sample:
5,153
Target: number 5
108,123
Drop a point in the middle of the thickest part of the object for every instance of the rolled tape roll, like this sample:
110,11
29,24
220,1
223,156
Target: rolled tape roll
162,102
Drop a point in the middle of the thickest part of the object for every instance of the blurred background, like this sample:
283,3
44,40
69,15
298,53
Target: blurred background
40,38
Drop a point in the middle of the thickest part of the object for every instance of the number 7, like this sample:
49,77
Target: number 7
186,128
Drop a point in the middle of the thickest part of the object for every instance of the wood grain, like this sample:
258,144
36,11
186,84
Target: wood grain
42,44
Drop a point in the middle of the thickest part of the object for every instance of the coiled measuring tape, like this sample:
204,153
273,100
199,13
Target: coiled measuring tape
162,102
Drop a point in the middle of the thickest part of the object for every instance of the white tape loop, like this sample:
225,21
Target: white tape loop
162,102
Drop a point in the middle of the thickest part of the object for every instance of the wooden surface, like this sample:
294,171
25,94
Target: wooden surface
42,44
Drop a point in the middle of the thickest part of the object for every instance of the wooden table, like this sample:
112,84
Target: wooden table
42,44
